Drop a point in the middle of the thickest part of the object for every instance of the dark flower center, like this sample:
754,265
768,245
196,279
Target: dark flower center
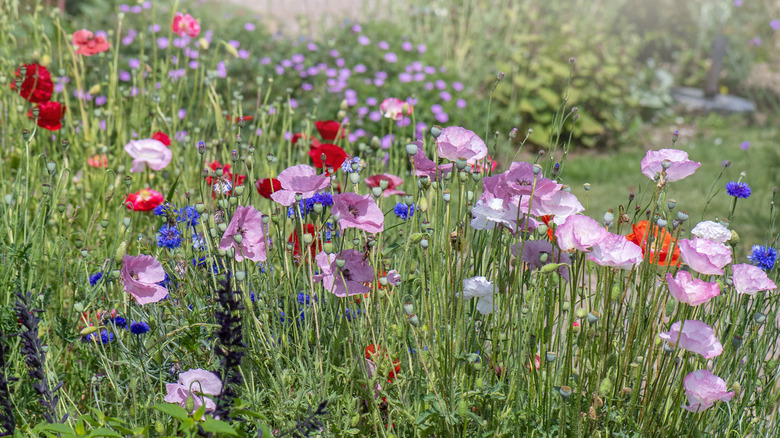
352,209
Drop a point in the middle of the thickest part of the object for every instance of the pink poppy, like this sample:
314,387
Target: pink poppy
392,182
486,215
749,279
393,277
580,233
481,288
455,142
148,151
679,164
197,384
355,211
695,336
686,289
616,252
521,180
532,254
425,167
185,25
301,179
703,389
88,44
347,280
704,256
711,231
247,223
393,108
140,276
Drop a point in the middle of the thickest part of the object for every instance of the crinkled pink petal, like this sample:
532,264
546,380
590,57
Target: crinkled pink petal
704,256
686,289
679,164
616,252
703,389
749,279
579,232
696,336
456,142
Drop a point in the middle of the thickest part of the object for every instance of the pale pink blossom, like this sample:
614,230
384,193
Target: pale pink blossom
197,384
350,278
301,179
481,288
703,389
140,276
455,142
616,252
704,256
486,215
711,231
355,211
749,279
247,223
695,336
148,151
679,164
184,24
393,108
580,233
686,289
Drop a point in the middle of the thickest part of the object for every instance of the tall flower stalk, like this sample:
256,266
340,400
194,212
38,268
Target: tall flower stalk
230,345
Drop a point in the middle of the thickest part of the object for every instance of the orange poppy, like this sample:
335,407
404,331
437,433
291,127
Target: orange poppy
661,258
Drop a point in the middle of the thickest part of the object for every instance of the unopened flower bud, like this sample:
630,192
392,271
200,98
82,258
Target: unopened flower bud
411,149
374,143
376,191
435,131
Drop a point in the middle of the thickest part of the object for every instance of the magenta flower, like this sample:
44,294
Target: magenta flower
148,151
749,279
695,336
425,167
481,288
703,389
711,231
355,211
347,280
246,233
617,252
301,179
140,276
679,164
704,256
580,233
521,180
455,142
184,24
197,384
686,289
393,108
536,250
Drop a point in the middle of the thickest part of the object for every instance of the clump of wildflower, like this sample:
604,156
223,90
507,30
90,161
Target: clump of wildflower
188,216
763,256
120,321
307,205
403,211
169,237
738,189
139,327
94,278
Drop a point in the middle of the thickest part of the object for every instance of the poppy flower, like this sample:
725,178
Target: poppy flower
239,118
36,85
315,246
392,182
334,156
329,129
247,223
162,138
148,152
144,200
194,385
313,142
371,353
659,256
301,179
393,108
355,211
185,25
228,179
88,44
703,389
266,186
141,276
347,280
50,115
455,142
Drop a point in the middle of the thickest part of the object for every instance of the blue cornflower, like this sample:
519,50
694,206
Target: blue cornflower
163,209
346,166
738,189
169,237
403,211
167,282
251,296
307,205
120,322
188,215
763,256
350,314
198,241
303,298
93,279
138,327
105,337
282,318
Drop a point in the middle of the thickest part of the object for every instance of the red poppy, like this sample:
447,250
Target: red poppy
334,156
88,44
371,352
315,246
226,173
36,85
144,200
550,234
240,118
329,129
50,115
162,138
313,143
661,257
266,186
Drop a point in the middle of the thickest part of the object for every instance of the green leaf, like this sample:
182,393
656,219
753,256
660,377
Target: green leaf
174,411
104,431
169,198
58,427
217,426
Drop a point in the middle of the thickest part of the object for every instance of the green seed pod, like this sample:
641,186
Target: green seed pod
605,388
669,307
190,404
120,252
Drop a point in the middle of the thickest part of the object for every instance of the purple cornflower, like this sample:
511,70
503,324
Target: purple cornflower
738,189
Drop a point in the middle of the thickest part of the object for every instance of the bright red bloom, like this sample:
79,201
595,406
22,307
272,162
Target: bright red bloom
36,85
547,219
50,115
329,129
227,176
88,44
162,138
334,156
266,186
240,118
315,246
144,200
372,351
661,257
313,142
